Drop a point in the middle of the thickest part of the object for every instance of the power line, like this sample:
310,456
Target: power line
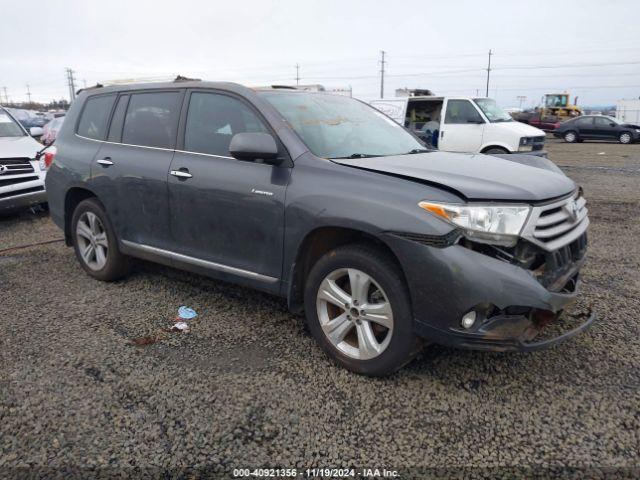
488,72
382,62
71,83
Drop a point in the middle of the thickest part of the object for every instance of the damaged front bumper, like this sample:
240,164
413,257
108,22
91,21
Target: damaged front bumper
513,306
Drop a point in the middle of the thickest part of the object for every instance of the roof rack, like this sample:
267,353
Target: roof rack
97,85
180,78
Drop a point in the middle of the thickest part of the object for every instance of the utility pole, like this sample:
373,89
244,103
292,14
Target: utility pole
72,86
6,97
382,63
29,94
297,74
488,72
521,99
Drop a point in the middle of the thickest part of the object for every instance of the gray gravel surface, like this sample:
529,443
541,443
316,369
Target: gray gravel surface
248,387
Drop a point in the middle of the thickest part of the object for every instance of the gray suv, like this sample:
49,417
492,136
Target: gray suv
323,200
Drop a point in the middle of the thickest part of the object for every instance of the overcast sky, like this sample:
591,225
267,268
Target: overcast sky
589,48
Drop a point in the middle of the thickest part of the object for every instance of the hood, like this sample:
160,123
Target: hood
630,125
19,147
473,177
521,129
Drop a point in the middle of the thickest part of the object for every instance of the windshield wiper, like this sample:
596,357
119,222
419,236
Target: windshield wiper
418,150
356,155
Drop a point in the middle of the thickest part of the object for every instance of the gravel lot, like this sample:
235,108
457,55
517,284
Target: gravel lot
249,388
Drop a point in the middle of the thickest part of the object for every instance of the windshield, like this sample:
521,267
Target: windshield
333,126
492,111
9,127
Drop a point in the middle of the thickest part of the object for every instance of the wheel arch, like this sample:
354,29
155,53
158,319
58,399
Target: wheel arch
72,198
318,242
499,145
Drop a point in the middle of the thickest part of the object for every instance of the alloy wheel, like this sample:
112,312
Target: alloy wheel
354,313
570,137
625,138
92,241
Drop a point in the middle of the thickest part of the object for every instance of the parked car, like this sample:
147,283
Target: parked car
463,124
327,202
50,130
27,118
22,173
535,119
597,127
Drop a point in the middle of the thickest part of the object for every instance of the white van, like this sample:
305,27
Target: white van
463,124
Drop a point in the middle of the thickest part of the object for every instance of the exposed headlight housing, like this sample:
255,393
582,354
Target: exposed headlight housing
493,224
526,144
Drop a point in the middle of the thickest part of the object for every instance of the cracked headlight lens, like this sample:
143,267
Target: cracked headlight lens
494,224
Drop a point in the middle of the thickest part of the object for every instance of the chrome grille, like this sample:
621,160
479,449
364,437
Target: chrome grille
557,224
15,166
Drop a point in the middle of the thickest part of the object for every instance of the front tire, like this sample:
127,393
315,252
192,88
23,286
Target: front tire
570,136
358,309
95,243
625,138
495,151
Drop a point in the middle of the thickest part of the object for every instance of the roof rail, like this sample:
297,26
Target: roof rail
97,85
180,78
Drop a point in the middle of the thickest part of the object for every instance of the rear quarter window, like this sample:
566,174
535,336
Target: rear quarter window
95,116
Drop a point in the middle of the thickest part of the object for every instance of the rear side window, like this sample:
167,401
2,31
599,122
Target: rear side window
584,122
152,119
213,119
95,115
461,111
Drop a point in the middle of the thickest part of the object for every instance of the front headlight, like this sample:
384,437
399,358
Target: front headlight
638,130
526,144
495,224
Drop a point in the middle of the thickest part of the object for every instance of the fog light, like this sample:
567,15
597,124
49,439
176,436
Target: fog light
468,319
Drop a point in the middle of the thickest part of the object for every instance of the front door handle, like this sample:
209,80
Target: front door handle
183,173
105,162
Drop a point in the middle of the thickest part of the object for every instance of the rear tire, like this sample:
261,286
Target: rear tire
95,243
370,331
625,138
570,136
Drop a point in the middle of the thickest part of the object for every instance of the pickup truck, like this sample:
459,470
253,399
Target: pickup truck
463,124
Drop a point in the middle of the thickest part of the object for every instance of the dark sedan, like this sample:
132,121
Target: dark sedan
597,127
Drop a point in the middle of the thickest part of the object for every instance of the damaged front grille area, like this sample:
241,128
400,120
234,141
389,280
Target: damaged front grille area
555,225
556,271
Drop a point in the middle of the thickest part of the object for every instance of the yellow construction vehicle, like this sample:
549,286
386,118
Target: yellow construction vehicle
557,105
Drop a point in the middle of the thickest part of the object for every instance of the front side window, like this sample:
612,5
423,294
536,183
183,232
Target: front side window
152,119
605,121
461,111
333,126
492,111
213,119
94,117
9,127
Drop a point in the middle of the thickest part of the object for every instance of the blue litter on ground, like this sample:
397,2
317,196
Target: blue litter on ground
186,313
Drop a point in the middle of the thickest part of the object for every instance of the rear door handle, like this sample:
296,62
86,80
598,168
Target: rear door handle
184,173
106,161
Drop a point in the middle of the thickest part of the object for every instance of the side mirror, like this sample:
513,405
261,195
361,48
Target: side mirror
254,146
36,131
612,124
